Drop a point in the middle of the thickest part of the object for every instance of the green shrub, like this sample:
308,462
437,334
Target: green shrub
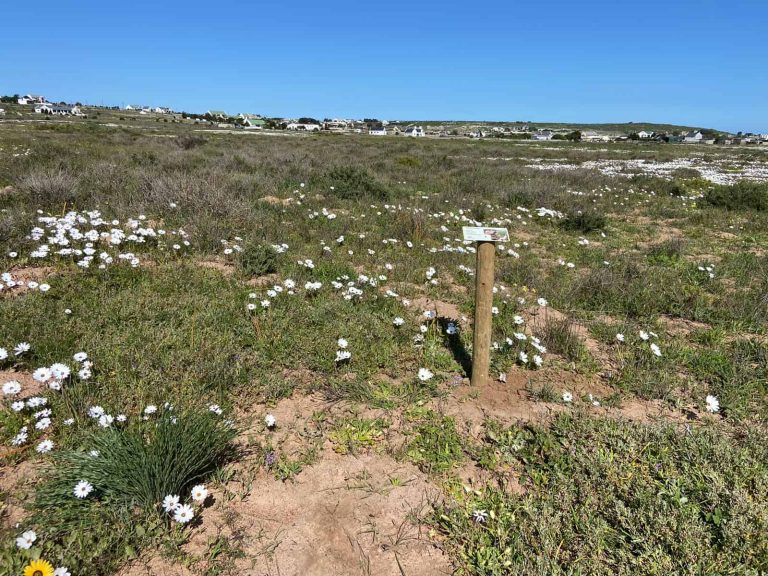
257,259
583,221
686,173
350,183
742,195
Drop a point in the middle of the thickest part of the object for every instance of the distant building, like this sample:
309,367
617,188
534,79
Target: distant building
31,99
693,137
303,127
414,131
697,138
542,135
217,114
643,134
58,109
252,122
377,131
592,136
335,125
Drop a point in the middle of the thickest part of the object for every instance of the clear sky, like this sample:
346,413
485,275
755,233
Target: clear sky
694,62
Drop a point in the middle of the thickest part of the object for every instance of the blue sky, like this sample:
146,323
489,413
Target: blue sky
695,62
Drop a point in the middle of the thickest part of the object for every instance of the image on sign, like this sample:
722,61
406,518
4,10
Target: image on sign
483,234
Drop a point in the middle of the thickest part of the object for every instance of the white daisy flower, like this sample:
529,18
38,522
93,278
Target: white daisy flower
183,514
270,421
21,348
170,502
342,355
82,489
59,371
26,540
713,404
425,374
480,516
11,388
199,493
45,446
42,374
567,397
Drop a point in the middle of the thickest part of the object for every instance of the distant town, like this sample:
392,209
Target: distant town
219,119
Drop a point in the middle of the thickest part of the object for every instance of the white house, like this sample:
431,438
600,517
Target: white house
693,137
643,134
2,111
31,99
336,124
415,131
57,109
303,127
592,136
543,135
377,131
252,122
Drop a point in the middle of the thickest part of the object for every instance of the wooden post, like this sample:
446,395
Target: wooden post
481,341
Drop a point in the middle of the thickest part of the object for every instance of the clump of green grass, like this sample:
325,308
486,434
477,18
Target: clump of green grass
350,435
257,259
436,446
561,337
135,468
143,463
666,252
544,393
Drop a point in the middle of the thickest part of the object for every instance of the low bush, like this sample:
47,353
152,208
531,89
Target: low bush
351,182
188,142
50,186
743,195
584,221
257,259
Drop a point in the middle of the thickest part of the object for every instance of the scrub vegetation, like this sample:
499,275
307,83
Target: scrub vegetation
216,347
